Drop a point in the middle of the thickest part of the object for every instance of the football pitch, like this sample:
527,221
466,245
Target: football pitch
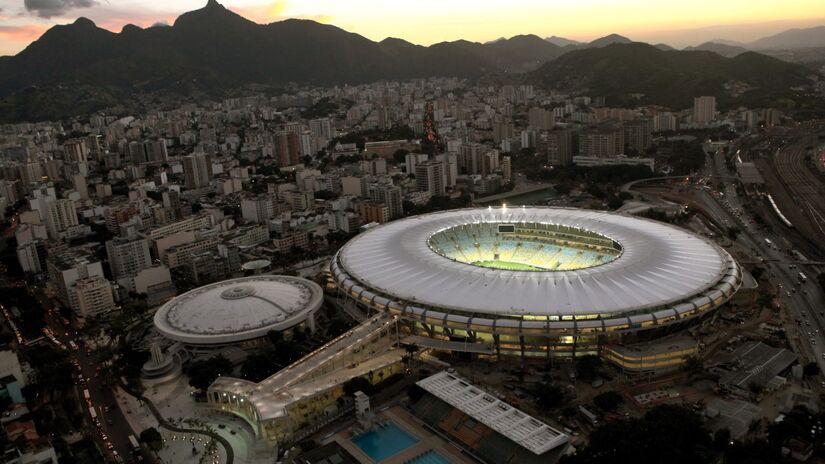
507,265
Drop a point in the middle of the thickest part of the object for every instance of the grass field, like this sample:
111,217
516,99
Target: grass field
508,266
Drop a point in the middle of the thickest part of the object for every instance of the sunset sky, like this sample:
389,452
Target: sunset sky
430,21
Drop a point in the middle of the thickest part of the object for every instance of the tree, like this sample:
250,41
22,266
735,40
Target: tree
400,156
757,272
587,367
693,365
608,401
152,438
203,372
810,370
721,439
358,384
667,433
548,395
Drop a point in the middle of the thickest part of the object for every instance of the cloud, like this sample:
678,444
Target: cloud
50,8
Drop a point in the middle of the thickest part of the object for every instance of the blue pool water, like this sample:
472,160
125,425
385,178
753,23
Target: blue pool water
383,441
430,457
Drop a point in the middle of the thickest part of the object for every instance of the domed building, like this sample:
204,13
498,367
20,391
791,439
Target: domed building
239,312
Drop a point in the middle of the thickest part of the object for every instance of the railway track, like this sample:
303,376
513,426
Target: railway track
807,190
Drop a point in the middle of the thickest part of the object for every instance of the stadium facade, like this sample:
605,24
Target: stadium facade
534,282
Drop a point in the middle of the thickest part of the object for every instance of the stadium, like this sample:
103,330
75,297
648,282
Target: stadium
534,282
238,312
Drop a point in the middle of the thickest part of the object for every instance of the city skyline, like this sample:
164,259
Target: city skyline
641,20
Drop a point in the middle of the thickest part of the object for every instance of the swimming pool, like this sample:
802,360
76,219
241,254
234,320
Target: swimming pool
384,441
430,457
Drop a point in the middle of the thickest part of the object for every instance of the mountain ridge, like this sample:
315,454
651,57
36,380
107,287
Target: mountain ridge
213,50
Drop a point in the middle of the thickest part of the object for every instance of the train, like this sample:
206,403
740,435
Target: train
779,213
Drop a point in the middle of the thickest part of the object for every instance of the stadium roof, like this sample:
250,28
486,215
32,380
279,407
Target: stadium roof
660,265
238,309
527,431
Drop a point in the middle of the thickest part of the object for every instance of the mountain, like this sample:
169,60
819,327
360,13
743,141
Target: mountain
732,43
728,51
669,78
522,52
609,40
664,47
82,67
794,38
561,41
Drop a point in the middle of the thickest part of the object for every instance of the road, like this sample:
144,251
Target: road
113,424
804,301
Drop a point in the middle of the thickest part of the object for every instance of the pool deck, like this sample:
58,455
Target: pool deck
427,441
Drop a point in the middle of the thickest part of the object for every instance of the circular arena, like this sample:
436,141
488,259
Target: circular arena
239,311
534,281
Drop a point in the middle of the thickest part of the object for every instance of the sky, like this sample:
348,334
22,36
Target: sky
677,23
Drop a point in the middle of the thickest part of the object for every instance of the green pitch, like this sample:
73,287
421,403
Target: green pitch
507,265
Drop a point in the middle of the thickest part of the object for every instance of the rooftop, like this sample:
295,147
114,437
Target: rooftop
660,265
238,309
527,431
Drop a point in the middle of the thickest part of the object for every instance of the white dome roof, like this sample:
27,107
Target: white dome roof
238,309
659,265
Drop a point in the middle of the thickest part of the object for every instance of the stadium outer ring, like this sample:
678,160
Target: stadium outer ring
405,282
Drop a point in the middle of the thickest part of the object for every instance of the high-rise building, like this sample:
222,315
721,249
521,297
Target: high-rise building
67,268
475,158
53,169
704,109
502,130
80,186
307,143
75,151
450,168
197,170
127,257
32,256
393,197
137,153
412,159
287,148
373,212
322,129
301,201
560,147
156,152
94,296
601,142
259,209
10,190
665,122
30,173
429,177
171,203
355,186
60,215
529,139
506,169
637,134
540,119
